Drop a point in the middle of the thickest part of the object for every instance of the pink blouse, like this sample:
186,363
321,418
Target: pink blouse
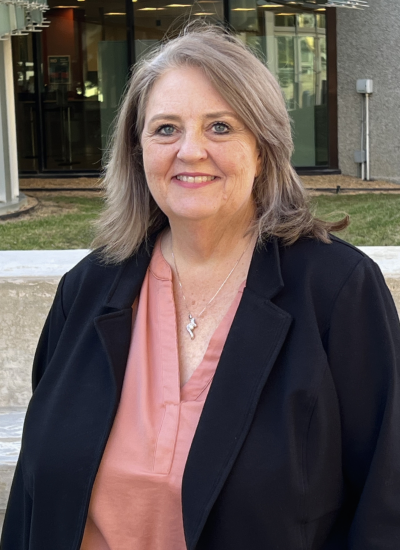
136,497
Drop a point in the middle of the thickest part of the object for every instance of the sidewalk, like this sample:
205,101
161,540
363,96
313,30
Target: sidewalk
327,182
347,182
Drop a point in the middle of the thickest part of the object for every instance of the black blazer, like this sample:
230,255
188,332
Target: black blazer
298,445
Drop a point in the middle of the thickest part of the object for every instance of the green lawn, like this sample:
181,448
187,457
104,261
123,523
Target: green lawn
375,219
59,223
64,222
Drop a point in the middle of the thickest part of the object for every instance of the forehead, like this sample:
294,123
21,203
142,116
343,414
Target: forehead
183,91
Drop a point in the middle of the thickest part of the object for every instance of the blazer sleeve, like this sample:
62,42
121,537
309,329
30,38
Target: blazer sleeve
50,335
16,528
364,355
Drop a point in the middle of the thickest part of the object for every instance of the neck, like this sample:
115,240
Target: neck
207,242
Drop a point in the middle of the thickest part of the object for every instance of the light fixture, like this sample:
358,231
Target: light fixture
244,9
205,13
115,13
179,6
150,9
270,6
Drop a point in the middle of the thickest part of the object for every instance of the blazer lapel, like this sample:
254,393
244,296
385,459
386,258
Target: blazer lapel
254,341
115,327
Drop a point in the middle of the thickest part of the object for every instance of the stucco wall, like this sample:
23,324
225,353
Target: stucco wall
368,46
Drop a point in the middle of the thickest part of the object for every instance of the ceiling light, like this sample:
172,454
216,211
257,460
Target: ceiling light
115,13
205,13
244,9
150,9
179,6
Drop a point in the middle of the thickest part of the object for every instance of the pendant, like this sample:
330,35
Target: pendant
191,326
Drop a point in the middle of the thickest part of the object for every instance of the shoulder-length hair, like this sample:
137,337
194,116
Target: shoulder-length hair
131,214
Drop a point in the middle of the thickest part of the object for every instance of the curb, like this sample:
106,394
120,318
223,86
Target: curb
18,213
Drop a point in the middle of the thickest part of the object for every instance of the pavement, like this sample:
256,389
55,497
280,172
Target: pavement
310,182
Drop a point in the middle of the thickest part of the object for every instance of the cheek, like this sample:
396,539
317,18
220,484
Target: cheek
157,161
242,159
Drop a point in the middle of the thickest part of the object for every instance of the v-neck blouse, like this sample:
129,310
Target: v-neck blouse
136,498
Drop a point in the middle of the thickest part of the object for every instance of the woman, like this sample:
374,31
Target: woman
220,373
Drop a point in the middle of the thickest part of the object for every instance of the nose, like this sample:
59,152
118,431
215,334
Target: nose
192,147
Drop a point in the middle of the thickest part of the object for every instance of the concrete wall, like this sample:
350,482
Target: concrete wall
28,282
24,307
368,46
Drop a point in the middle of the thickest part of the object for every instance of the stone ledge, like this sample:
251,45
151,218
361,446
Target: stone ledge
38,263
54,263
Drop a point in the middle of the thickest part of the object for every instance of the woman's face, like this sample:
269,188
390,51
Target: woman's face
199,158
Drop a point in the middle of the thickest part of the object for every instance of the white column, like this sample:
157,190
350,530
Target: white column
9,184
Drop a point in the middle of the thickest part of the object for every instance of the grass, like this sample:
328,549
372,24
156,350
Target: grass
64,222
375,219
59,223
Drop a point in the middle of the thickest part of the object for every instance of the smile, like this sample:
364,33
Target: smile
195,179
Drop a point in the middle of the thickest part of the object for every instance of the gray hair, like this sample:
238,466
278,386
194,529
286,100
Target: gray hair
131,215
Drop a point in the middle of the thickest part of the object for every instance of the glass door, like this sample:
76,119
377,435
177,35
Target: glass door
85,69
25,103
293,43
154,18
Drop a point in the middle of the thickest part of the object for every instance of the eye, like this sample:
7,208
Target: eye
221,128
165,130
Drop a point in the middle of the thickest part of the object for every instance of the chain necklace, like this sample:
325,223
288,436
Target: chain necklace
192,321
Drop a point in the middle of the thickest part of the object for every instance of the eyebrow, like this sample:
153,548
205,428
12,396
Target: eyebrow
177,118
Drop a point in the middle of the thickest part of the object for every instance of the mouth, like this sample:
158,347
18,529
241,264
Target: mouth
195,179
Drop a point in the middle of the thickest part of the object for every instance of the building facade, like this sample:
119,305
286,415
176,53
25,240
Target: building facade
368,46
69,78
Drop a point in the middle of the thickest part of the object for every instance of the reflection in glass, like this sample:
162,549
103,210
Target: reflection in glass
306,20
25,105
285,20
293,44
154,18
286,67
85,70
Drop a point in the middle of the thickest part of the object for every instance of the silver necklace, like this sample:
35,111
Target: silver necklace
192,320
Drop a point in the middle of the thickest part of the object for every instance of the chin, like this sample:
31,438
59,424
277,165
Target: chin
192,214
192,211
